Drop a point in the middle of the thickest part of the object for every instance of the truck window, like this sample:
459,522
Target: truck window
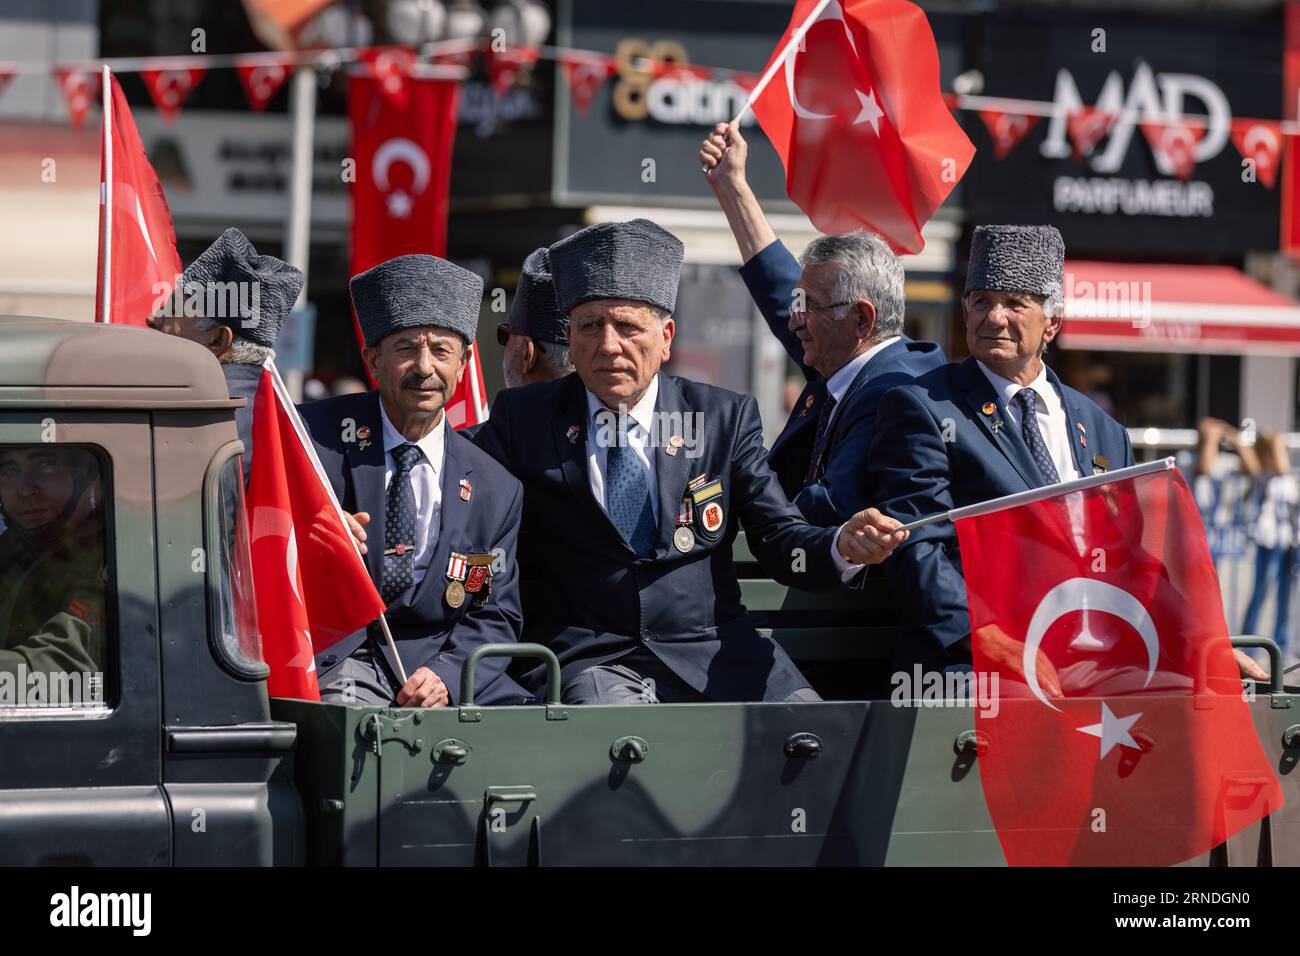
237,642
56,629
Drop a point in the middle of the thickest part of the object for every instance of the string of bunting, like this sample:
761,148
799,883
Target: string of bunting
171,79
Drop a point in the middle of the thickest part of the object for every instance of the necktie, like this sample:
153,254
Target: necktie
399,525
819,444
627,495
1026,399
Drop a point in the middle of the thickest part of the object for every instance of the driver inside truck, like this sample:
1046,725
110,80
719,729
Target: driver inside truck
53,596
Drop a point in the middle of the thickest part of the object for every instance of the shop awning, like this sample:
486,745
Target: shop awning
1175,308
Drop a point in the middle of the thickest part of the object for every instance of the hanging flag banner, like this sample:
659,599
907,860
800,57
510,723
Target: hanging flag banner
390,66
1174,147
585,76
1260,141
506,66
170,89
1087,127
1006,129
261,81
79,88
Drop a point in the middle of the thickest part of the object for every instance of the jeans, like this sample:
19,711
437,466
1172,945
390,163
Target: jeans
1270,564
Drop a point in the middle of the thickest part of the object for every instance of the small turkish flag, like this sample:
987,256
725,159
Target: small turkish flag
1261,142
142,257
1120,735
585,76
1087,126
1006,130
312,587
391,67
857,116
261,81
170,89
505,67
79,89
1174,147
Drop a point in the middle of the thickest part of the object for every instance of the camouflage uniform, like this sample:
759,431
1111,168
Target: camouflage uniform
53,602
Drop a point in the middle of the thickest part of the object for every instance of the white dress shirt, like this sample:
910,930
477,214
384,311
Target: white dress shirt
602,431
1055,428
843,377
425,482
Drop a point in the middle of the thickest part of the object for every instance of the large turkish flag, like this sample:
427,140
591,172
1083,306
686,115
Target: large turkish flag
142,258
859,121
402,147
1145,754
312,587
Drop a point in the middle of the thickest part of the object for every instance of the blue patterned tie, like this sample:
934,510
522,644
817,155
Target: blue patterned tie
1026,399
627,495
399,525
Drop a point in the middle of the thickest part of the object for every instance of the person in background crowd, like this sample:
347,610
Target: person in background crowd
1277,493
233,302
535,335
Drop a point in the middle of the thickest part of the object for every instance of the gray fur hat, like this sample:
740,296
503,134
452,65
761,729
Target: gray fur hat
1017,259
534,312
617,260
413,291
251,293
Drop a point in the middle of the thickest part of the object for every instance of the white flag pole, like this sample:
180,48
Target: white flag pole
282,393
1042,494
106,199
796,39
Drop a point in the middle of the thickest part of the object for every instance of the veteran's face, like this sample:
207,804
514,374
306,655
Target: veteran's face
35,486
831,332
618,346
171,318
1008,331
417,370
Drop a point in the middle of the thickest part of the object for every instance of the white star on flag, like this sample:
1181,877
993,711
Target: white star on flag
871,111
1112,731
399,205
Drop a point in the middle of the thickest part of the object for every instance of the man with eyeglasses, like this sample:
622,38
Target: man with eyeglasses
840,320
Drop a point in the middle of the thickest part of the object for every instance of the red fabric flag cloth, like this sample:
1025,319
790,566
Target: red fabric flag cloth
1174,147
1261,142
79,89
312,587
1148,756
399,199
859,121
144,264
261,80
170,89
586,74
1006,130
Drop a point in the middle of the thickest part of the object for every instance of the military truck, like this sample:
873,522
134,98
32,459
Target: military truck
175,755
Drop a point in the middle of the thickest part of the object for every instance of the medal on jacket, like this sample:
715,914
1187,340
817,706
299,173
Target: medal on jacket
478,581
684,537
710,519
457,569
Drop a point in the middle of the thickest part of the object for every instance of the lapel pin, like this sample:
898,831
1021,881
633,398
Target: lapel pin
674,443
466,489
1079,425
572,434
808,403
996,425
363,432
1083,440
989,408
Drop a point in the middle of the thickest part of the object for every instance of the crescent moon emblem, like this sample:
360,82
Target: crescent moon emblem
262,78
1258,137
832,11
1086,594
400,148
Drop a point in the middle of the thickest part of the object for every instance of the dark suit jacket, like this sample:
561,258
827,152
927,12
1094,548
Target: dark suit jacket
591,599
427,631
915,472
841,491
242,382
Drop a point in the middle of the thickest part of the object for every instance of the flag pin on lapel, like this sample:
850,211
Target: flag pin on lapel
466,489
363,433
572,434
674,443
989,408
1083,434
808,403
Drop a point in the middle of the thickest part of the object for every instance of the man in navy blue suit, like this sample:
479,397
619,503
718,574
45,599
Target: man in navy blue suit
997,423
635,486
840,319
442,516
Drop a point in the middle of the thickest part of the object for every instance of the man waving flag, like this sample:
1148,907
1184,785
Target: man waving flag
1121,736
851,101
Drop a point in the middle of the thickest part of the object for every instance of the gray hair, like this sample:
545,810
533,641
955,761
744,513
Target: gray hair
868,270
555,355
242,351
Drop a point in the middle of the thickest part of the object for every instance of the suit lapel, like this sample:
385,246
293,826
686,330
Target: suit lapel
569,430
671,471
367,468
1073,420
977,393
453,513
803,415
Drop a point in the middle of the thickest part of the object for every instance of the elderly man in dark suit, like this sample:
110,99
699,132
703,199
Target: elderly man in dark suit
535,334
442,516
234,302
635,485
840,318
997,423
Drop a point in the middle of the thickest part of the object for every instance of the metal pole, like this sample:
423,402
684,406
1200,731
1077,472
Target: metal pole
302,109
106,200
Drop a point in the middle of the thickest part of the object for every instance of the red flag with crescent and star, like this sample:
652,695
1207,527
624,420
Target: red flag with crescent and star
857,116
312,586
1122,735
399,198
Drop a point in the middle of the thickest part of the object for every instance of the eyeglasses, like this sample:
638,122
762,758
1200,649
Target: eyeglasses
806,309
504,331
